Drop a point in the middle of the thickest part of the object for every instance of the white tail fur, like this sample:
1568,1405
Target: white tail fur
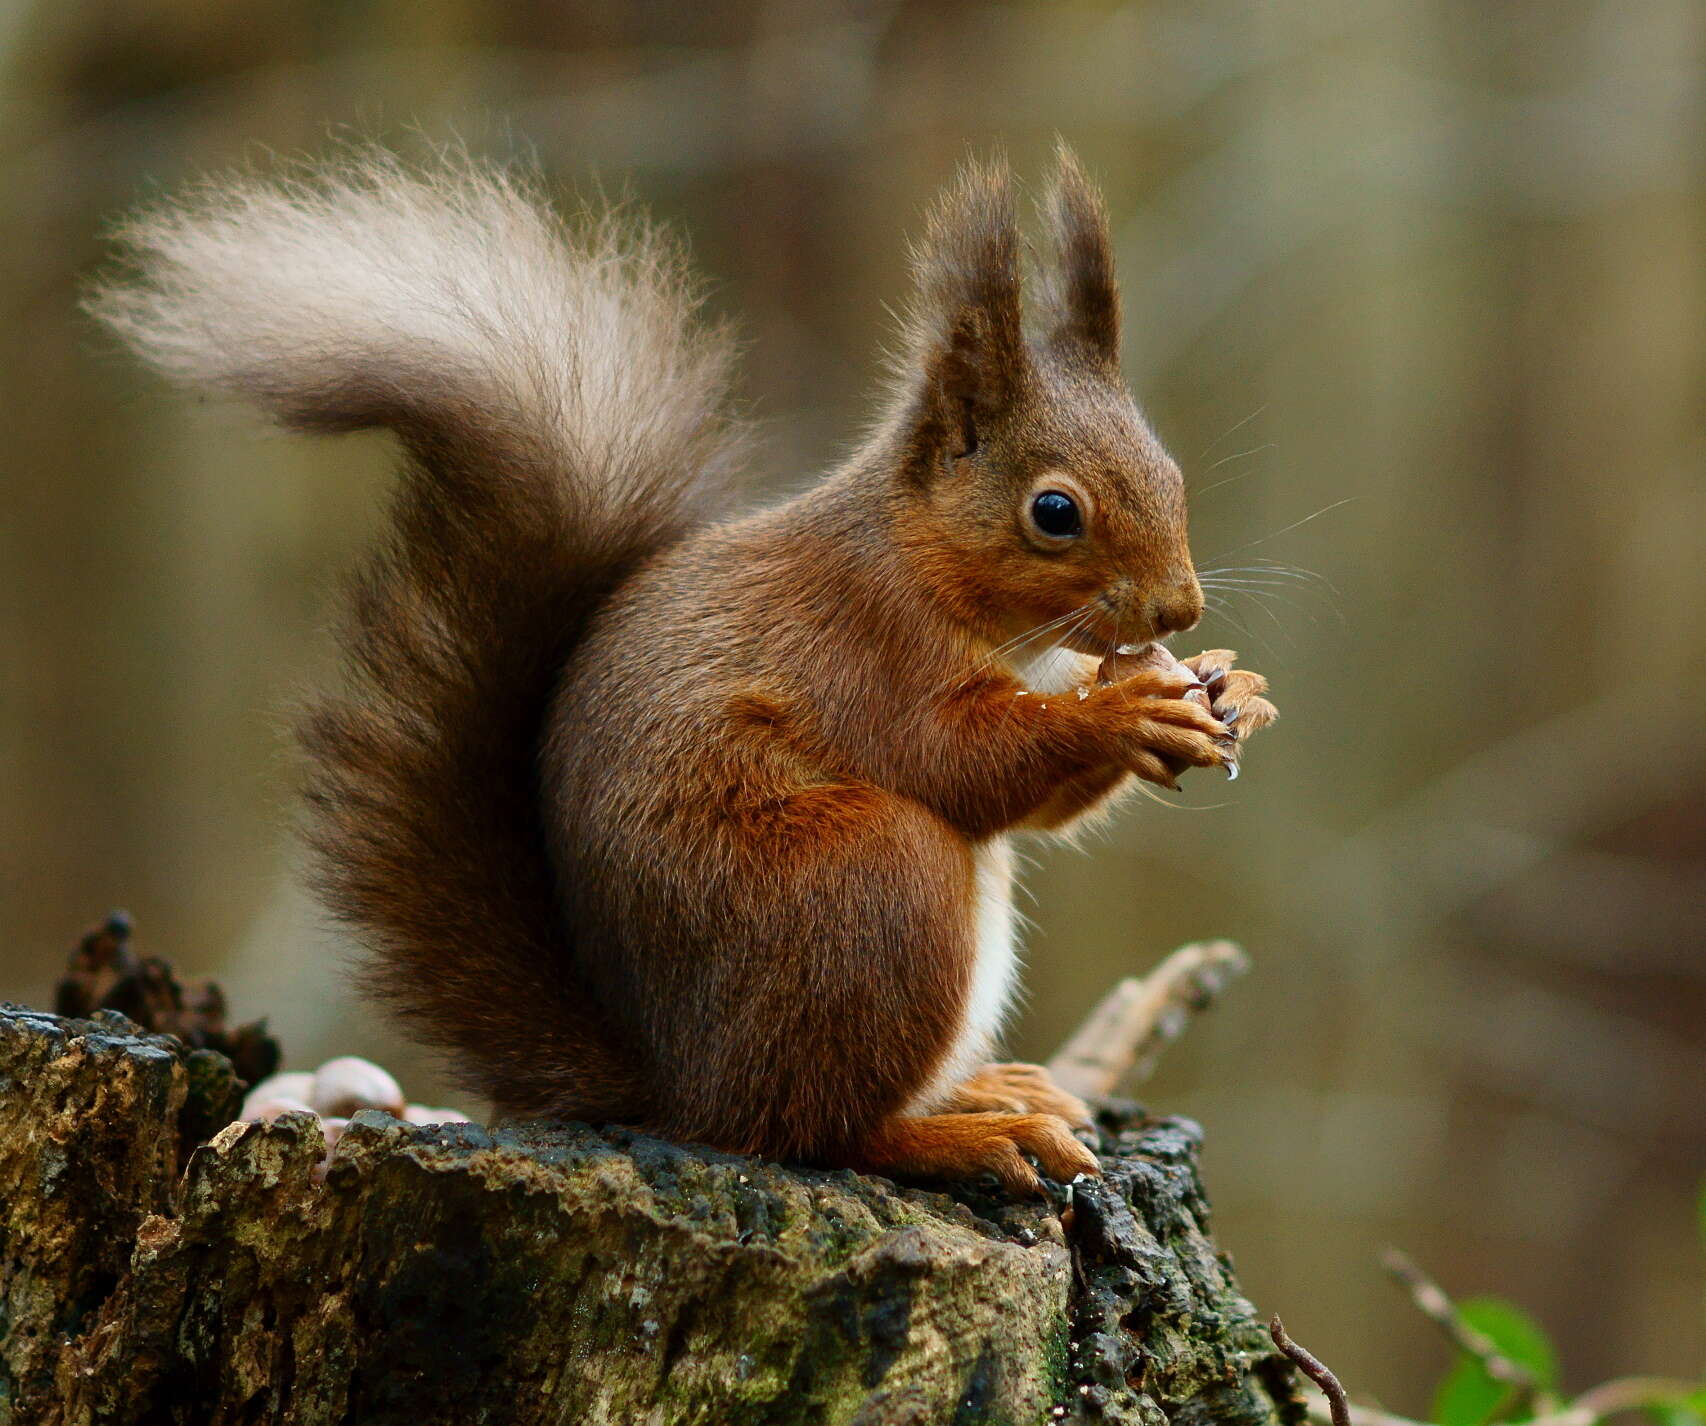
447,303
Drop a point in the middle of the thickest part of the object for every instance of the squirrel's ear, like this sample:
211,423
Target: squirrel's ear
966,357
1082,294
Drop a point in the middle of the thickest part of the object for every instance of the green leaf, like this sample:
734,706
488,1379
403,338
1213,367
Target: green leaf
1468,1396
1689,1410
1675,1413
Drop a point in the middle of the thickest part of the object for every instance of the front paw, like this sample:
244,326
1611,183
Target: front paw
1234,696
1169,723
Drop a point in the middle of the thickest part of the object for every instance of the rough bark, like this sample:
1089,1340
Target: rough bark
565,1274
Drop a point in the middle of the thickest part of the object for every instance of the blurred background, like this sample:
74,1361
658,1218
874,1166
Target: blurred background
1415,294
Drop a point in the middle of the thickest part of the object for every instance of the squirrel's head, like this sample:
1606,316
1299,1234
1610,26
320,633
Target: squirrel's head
1030,487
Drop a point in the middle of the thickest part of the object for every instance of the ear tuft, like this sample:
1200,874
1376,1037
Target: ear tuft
1083,293
966,328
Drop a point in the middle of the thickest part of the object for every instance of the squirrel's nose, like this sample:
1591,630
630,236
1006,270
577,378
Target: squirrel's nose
1177,610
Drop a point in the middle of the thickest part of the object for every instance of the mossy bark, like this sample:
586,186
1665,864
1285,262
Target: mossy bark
564,1274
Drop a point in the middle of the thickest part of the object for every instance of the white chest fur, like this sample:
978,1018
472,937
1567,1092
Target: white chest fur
996,964
1055,670
995,925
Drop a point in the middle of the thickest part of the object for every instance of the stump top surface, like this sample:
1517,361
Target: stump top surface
171,1269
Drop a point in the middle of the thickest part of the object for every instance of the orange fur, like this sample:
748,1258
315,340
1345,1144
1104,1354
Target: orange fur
967,1143
685,822
1019,1089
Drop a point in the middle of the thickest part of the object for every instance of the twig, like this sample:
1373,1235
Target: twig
1611,1398
1316,1370
1141,1016
1432,1302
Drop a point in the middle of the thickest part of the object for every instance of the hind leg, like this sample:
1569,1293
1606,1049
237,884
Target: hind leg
828,989
1017,1089
958,1146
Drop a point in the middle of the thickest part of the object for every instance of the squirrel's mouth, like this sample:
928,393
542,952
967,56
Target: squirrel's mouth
1100,641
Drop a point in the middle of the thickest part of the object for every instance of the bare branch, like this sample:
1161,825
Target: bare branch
1141,1016
1610,1398
1432,1302
1320,1411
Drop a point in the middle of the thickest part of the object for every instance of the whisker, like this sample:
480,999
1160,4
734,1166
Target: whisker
1264,581
1262,604
1296,524
1267,593
1114,644
1263,563
1276,571
1228,480
1245,582
1258,590
1087,612
1262,571
1297,571
1017,640
1284,591
1197,492
1227,460
1262,595
1220,608
1037,632
1078,628
1231,431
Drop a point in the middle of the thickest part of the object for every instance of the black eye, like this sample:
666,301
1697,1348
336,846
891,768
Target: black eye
1056,515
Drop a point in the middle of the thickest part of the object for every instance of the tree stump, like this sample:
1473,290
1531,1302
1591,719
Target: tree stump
165,1265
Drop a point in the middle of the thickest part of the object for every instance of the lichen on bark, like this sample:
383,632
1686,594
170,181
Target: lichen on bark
534,1274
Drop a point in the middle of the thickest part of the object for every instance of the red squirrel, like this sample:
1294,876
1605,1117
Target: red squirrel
656,814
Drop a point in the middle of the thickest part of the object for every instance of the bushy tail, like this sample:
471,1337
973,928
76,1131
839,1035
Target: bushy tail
562,415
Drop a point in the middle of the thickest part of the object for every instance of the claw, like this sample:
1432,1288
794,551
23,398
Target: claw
1230,718
1232,772
1212,675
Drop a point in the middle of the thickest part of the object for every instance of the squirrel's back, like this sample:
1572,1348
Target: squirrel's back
562,415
